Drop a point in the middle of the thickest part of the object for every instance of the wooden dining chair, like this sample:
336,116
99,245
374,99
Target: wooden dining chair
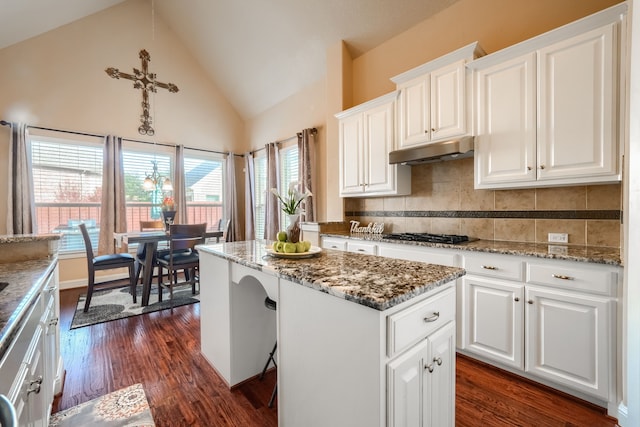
182,256
105,262
141,253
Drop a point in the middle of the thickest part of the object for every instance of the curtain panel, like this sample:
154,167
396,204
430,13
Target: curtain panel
20,196
179,187
272,206
113,213
231,199
307,170
249,197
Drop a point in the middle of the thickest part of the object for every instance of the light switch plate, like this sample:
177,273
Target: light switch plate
558,238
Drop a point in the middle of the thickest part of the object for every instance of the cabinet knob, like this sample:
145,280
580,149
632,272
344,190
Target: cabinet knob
516,299
530,301
541,166
433,130
528,168
361,250
433,317
489,267
429,367
561,276
53,321
438,360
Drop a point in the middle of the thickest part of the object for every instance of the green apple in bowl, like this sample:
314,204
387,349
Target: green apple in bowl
300,247
289,248
307,245
282,236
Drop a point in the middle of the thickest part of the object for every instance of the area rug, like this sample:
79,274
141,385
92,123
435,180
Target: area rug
125,407
112,304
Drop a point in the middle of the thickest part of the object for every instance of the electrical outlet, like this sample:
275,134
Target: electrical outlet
558,238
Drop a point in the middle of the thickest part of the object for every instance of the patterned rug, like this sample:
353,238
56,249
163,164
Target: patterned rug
126,407
113,304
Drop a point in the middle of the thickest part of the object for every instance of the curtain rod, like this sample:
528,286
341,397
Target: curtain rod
282,141
162,144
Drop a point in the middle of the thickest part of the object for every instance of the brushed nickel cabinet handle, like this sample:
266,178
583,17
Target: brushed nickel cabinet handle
541,166
563,277
490,267
516,299
528,168
438,360
432,318
530,301
429,367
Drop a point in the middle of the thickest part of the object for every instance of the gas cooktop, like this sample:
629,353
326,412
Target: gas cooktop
428,237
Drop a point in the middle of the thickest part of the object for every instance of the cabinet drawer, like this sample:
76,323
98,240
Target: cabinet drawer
584,278
502,267
413,324
362,248
338,244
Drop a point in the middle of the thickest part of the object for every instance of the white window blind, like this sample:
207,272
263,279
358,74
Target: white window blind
260,175
67,183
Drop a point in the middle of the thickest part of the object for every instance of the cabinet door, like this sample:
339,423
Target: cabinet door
351,173
414,112
577,102
441,376
378,143
569,339
448,116
495,319
506,136
405,385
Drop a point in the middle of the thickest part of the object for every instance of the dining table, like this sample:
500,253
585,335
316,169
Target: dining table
151,239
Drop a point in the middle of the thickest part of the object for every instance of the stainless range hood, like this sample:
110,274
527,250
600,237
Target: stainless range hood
435,152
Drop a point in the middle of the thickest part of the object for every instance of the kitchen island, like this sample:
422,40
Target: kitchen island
362,340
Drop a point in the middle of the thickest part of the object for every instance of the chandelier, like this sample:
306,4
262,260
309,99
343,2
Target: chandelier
155,181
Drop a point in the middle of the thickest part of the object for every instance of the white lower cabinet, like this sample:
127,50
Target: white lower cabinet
569,338
31,367
421,380
551,320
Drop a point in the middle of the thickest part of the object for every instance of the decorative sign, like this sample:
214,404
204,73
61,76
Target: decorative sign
375,228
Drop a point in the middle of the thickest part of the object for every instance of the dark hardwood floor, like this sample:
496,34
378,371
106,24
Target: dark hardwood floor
161,351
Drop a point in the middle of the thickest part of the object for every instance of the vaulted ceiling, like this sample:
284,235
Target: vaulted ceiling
258,52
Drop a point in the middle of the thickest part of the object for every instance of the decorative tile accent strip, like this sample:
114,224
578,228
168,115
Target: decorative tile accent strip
572,214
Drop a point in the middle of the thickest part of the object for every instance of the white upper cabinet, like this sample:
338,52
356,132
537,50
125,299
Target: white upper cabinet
548,109
433,99
367,136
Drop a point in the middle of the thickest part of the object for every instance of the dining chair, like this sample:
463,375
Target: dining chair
105,262
182,255
141,253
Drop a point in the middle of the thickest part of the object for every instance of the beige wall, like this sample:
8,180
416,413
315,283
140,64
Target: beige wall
57,80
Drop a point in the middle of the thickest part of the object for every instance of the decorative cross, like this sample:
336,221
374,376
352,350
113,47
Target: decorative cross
143,79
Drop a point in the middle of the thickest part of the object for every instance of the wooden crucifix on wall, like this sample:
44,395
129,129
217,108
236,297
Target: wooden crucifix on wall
146,81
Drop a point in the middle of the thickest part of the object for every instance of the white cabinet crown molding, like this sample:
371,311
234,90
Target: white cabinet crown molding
470,51
381,100
575,28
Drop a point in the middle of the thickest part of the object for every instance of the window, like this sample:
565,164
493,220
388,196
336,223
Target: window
288,174
67,183
204,182
260,172
143,205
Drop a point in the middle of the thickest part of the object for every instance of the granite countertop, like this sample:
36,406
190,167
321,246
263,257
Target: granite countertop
27,238
24,282
580,253
369,280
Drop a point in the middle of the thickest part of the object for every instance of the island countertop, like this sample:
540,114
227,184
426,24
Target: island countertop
369,280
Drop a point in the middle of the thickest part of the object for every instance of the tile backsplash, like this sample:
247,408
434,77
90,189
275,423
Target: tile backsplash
443,200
